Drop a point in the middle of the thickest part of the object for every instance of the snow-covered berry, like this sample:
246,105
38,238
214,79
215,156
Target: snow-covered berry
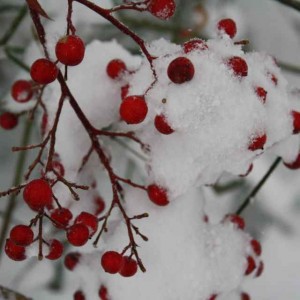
56,249
162,125
71,260
162,9
158,195
227,26
133,109
116,68
238,65
89,220
21,91
181,70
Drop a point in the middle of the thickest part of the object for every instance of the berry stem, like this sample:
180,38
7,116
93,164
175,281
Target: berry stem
40,237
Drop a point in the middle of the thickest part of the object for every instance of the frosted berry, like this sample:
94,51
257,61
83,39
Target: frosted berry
13,251
8,121
100,205
21,235
133,109
181,70
258,142
162,9
295,164
261,93
193,45
238,65
236,220
43,71
21,91
78,295
227,26
245,296
103,293
162,125
62,217
89,220
70,50
260,269
129,267
250,265
296,122
157,195
256,247
71,260
116,68
112,262
38,194
78,235
56,249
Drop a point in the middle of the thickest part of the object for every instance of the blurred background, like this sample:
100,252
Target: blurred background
274,214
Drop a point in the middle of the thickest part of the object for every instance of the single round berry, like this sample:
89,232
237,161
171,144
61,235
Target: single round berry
227,26
103,293
13,251
162,125
238,65
124,91
162,9
89,220
245,296
8,121
21,91
78,235
100,205
21,235
70,50
38,194
62,217
258,142
129,267
133,109
43,71
250,265
295,164
56,249
116,68
112,262
296,121
71,260
157,195
194,45
260,269
78,295
256,247
236,220
261,93
181,70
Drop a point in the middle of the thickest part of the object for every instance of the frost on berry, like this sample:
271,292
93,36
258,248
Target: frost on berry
116,68
89,220
56,249
228,27
162,9
181,70
158,195
61,216
21,91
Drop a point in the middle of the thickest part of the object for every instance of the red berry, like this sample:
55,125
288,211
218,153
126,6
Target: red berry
89,220
13,251
37,194
245,296
181,70
294,165
100,205
238,65
193,45
257,142
116,68
112,262
8,121
71,260
21,91
162,9
133,109
21,235
256,246
236,220
262,94
78,234
250,265
227,26
69,50
162,125
273,78
260,269
43,71
62,217
296,121
124,91
78,295
158,195
213,297
129,267
103,293
56,249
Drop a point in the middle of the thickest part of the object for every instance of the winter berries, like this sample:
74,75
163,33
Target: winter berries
227,26
21,91
157,195
78,295
38,194
296,121
133,109
236,220
129,267
258,142
89,220
21,235
56,249
70,50
116,68
162,9
71,260
62,217
43,71
194,45
8,121
181,70
250,265
162,125
78,235
262,94
112,262
14,251
295,164
256,246
238,65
